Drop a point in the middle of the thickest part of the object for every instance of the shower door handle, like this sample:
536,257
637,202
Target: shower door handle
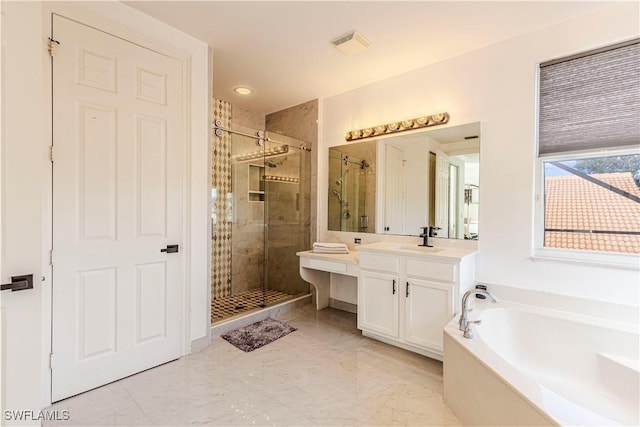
170,249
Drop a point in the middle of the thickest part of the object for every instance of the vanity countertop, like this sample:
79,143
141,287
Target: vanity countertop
451,253
350,258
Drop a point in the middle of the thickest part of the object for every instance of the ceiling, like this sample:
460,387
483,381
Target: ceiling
282,51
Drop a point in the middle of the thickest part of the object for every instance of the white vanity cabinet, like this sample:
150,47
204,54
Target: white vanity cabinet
405,297
378,303
428,307
378,300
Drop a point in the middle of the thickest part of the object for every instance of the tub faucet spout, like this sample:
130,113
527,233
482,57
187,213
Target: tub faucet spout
463,322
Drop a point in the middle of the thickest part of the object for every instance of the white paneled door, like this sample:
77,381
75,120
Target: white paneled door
394,206
117,201
442,194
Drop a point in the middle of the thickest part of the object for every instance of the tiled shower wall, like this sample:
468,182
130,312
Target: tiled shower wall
221,185
301,122
282,273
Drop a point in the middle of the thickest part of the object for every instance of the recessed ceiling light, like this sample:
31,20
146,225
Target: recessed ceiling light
241,90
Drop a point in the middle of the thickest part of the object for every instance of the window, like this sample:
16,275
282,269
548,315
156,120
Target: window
589,153
593,204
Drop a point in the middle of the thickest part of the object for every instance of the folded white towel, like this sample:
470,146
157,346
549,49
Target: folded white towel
330,251
329,245
330,248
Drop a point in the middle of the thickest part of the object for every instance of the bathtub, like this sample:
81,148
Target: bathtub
531,366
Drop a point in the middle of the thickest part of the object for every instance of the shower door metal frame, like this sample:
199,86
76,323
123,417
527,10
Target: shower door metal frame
261,139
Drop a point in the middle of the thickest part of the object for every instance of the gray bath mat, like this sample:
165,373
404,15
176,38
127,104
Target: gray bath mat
258,334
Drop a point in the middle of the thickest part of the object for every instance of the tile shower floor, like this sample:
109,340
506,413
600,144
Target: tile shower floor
226,307
324,374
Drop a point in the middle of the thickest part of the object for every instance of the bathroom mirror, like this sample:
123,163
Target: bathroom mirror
397,184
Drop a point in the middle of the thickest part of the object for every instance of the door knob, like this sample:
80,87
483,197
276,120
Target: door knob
170,249
19,283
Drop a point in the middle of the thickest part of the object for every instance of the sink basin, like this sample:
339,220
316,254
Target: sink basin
402,247
416,248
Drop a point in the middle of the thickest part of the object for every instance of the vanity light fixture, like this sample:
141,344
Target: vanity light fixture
420,122
275,151
280,178
242,90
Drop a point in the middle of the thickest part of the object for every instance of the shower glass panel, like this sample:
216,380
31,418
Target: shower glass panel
287,213
348,193
247,231
335,191
263,220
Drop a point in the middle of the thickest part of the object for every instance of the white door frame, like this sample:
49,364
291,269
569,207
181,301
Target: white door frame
124,22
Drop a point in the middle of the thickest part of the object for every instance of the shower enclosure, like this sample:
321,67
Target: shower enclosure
351,193
260,218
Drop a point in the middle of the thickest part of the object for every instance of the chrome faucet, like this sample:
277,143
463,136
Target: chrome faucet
464,323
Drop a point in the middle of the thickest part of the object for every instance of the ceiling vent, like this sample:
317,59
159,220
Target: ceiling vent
351,43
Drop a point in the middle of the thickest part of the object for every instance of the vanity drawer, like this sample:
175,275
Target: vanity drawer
431,270
379,262
325,265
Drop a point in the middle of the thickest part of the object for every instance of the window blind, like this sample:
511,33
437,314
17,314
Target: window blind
591,100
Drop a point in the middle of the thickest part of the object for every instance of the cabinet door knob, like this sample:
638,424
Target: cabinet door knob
394,286
407,290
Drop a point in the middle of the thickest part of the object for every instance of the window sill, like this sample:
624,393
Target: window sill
597,259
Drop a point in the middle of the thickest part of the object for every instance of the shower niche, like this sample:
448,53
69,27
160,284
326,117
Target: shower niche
256,183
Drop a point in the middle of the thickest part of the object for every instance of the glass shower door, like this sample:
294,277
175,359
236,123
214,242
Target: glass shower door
287,213
238,196
260,219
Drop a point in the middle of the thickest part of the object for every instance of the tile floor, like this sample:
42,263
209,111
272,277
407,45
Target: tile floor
324,374
226,307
